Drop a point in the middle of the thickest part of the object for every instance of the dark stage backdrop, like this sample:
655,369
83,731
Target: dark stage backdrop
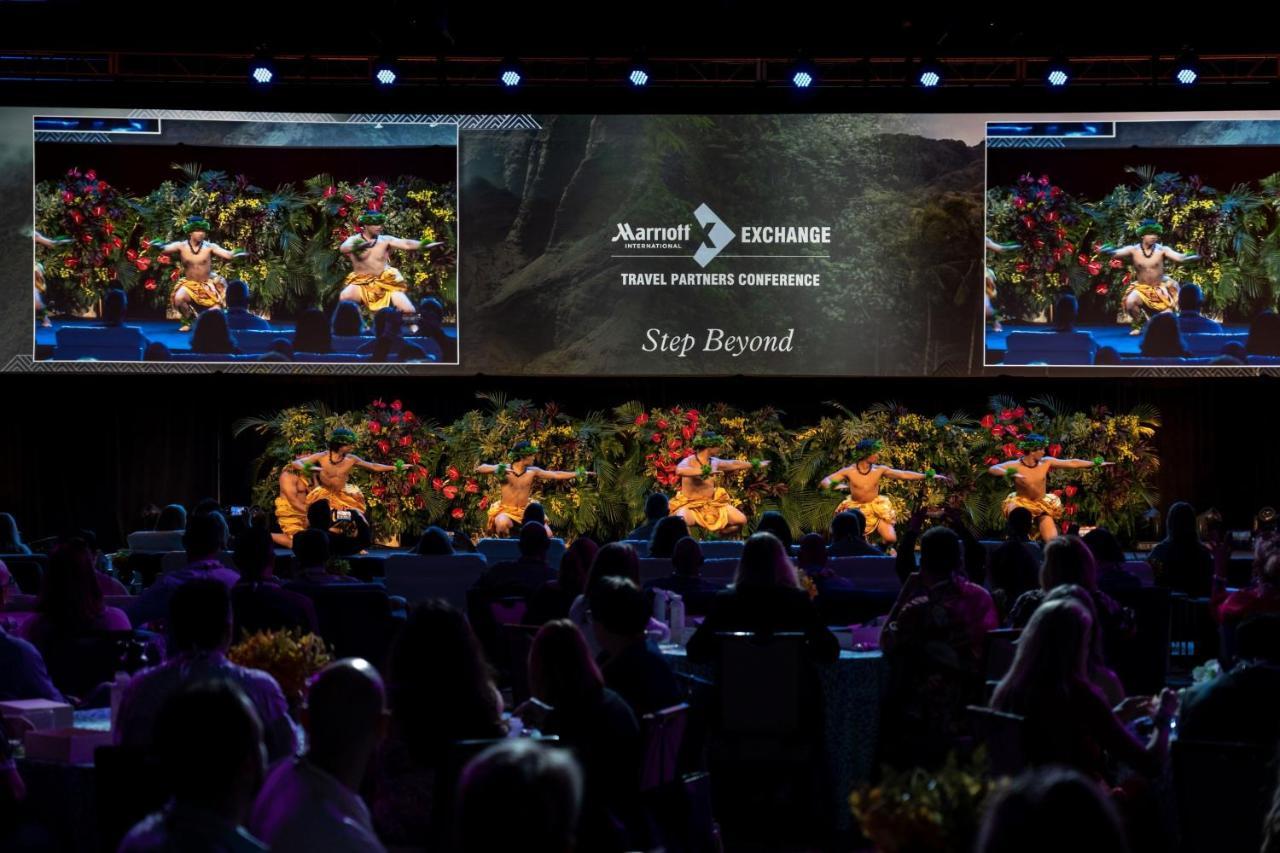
91,451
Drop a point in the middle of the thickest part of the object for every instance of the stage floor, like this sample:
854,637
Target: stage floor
164,331
1114,335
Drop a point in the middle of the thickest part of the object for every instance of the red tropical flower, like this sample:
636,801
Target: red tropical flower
991,460
342,211
329,191
642,419
143,263
415,457
384,446
997,430
131,254
1006,415
484,502
348,197
662,424
472,487
1101,290
406,440
149,284
437,483
394,419
378,491
1019,202
1019,412
1058,492
693,413
1055,449
457,512
407,417
453,473
1044,181
1070,509
1054,192
91,175
1115,263
450,492
1010,449
1029,222
67,197
676,454
988,422
688,432
396,405
673,444
375,427
1070,491
1023,266
656,438
1094,268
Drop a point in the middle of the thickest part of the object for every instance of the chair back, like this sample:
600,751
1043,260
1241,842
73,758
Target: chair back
760,684
1002,734
417,577
661,735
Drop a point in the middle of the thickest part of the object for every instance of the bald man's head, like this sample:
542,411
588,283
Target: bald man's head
346,711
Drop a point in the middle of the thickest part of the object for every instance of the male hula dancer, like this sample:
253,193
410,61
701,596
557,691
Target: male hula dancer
700,502
333,468
40,240
517,485
291,505
863,478
372,282
989,283
1151,288
1029,475
199,288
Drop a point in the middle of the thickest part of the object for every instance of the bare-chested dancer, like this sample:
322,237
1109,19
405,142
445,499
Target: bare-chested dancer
1151,288
702,503
989,283
291,505
199,288
333,467
517,479
40,240
372,282
1030,474
863,478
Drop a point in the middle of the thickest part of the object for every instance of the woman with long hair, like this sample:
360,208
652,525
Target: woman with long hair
440,691
10,538
1163,338
1181,561
765,598
666,533
212,335
1067,720
71,601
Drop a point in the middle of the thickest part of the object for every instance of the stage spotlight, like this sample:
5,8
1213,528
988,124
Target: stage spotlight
1059,73
803,74
385,73
262,71
1187,69
930,76
510,75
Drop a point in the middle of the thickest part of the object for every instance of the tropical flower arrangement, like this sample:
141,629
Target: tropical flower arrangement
916,811
290,656
291,235
436,480
1062,239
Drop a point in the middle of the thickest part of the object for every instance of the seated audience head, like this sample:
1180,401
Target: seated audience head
283,346
1020,523
1066,310
274,357
764,563
435,542
156,351
206,505
114,306
618,560
346,320
237,295
562,672
345,715
619,613
1107,356
666,533
312,334
1190,298
941,554
255,554
319,515
205,536
387,323
431,309
538,791
850,524
1067,560
209,739
310,549
1258,638
534,542
1225,360
211,333
1264,334
813,552
575,565
200,617
686,558
656,506
776,523
1180,523
10,539
1236,350
1052,656
1104,546
436,655
69,591
1081,596
1052,810
172,517
1163,339
534,511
